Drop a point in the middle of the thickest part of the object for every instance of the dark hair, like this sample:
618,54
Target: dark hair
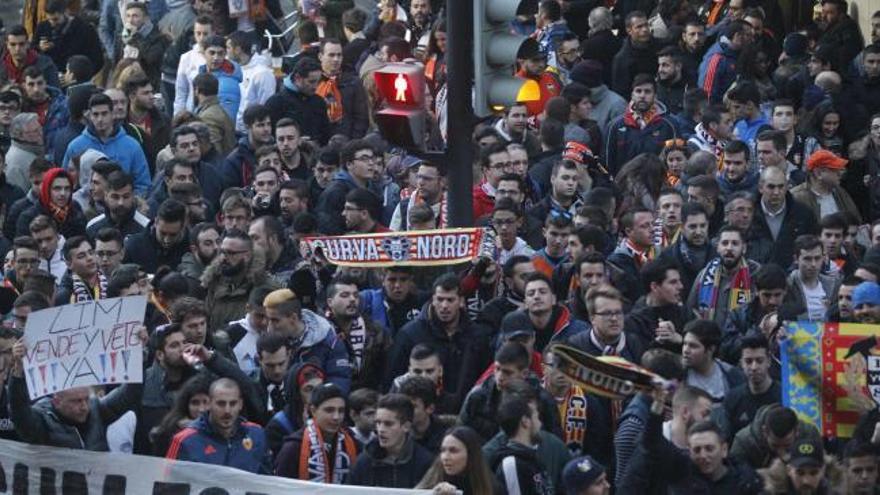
270,342
33,72
172,211
99,99
834,221
16,30
447,282
240,39
513,353
255,113
755,341
642,79
707,426
110,234
508,204
24,242
400,404
591,235
207,84
691,209
737,146
769,277
119,180
731,228
346,154
665,363
745,92
354,19
552,133
325,392
423,351
159,337
857,448
81,67
364,199
510,413
397,47
304,67
488,151
179,131
419,387
362,398
655,271
551,9
776,137
55,6
170,424
74,243
712,114
780,420
707,332
135,83
341,279
32,299
187,307
806,242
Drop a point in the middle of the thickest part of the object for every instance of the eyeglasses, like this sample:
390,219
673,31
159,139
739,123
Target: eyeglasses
106,254
609,314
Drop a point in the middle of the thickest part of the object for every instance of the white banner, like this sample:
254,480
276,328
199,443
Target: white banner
28,469
84,344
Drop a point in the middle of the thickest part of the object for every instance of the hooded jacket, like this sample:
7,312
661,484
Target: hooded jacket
625,138
718,69
119,147
227,296
552,452
320,345
309,111
521,472
607,106
480,409
229,76
563,326
374,468
750,444
246,449
74,223
55,119
331,201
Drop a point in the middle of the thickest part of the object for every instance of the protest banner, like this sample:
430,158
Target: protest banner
28,468
609,376
826,373
82,344
413,248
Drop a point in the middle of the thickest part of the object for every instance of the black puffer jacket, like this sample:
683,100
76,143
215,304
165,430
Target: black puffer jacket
373,468
309,111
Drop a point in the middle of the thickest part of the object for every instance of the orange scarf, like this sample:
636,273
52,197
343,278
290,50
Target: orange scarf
314,464
329,90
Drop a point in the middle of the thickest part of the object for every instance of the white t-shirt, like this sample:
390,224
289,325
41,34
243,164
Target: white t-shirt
816,299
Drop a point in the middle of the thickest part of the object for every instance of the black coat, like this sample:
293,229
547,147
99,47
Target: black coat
480,410
356,118
798,220
309,111
74,224
145,250
642,322
602,46
373,468
631,61
75,37
515,459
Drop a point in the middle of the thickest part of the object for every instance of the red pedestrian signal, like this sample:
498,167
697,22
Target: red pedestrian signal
402,90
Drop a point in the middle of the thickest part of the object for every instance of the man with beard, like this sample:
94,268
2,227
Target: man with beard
293,199
659,321
121,213
568,54
204,244
142,112
267,232
264,187
741,404
104,135
643,127
868,83
671,82
342,92
164,242
809,290
184,144
273,359
807,471
842,312
550,321
190,194
83,281
430,190
667,225
736,173
295,162
692,45
513,128
714,131
421,18
726,282
518,464
395,303
532,61
232,275
515,271
48,103
62,35
222,436
367,344
238,169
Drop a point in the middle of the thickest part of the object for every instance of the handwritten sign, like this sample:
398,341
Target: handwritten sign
83,344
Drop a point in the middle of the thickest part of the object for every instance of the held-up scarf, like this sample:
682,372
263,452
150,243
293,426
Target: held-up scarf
740,287
313,462
661,238
573,413
82,292
328,89
355,340
639,120
641,256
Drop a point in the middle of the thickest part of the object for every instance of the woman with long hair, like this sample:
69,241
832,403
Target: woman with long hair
435,58
640,181
675,155
191,402
823,131
460,466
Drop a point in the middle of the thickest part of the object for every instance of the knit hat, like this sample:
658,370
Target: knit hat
866,293
580,473
587,72
795,45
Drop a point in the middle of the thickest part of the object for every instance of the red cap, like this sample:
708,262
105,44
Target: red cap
826,159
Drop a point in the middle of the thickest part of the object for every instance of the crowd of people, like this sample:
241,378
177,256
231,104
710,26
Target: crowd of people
692,177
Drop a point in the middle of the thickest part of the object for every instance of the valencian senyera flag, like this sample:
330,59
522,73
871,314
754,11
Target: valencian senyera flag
607,376
830,373
411,248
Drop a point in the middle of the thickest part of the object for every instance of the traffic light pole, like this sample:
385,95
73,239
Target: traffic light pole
460,120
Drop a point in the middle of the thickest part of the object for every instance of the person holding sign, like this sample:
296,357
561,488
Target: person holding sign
72,418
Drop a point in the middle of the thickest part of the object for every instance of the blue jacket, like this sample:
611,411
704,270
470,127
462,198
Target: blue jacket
748,183
320,346
57,117
121,148
240,165
246,449
229,76
625,139
718,69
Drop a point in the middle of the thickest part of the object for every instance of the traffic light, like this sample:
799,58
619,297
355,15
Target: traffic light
495,54
402,121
